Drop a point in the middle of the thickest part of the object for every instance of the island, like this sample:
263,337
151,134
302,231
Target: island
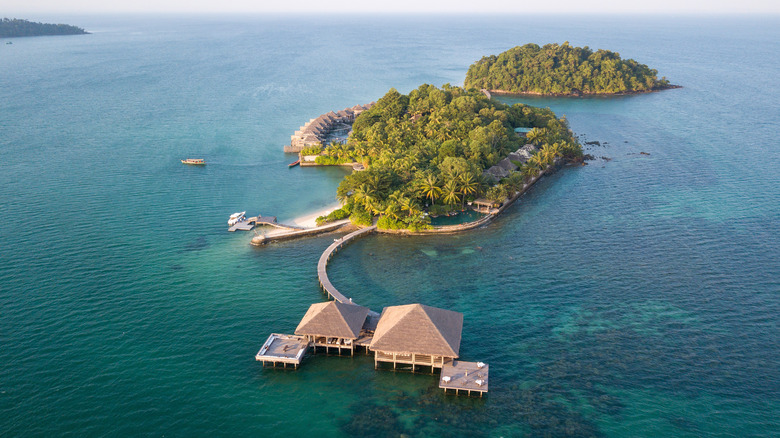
13,27
435,150
562,70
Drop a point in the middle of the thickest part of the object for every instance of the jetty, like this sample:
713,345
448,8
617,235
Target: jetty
408,337
322,265
287,232
317,130
250,223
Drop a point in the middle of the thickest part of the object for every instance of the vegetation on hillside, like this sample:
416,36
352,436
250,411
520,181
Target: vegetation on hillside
562,70
13,27
428,149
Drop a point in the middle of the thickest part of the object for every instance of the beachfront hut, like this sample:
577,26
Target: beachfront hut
418,335
484,205
333,325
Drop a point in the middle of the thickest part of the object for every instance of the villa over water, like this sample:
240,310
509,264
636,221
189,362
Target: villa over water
316,131
409,337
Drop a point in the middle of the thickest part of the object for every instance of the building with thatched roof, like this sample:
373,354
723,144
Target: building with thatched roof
418,335
333,325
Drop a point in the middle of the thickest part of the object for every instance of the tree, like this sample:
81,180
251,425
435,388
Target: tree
451,193
430,188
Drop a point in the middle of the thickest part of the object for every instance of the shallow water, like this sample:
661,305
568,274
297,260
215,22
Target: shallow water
631,297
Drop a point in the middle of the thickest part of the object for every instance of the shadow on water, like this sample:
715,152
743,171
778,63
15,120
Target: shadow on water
199,244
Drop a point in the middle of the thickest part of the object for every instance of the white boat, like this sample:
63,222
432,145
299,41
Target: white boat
236,218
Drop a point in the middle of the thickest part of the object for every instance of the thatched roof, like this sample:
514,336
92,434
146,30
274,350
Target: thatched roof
507,165
415,328
333,319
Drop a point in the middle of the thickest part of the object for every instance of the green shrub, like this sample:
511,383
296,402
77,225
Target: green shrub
361,217
312,150
335,215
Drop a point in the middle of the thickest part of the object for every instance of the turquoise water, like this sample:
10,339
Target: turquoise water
460,218
630,297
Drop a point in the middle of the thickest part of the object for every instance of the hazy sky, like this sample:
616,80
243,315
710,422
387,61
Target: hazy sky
403,6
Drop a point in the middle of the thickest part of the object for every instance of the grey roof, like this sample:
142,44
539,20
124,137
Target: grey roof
507,165
333,319
419,329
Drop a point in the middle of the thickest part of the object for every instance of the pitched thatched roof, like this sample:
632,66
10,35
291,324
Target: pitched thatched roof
507,165
333,319
415,328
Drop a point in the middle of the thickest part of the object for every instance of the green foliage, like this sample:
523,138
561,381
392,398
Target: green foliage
335,215
429,149
21,28
312,150
561,69
327,160
497,193
361,217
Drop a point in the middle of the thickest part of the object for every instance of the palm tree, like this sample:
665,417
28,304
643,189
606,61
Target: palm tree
537,135
364,195
468,185
430,188
451,192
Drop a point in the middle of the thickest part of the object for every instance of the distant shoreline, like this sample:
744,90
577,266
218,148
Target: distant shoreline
18,28
580,94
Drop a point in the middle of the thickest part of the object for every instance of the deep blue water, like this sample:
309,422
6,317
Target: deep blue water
632,297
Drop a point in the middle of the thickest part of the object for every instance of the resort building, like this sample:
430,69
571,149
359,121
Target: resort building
333,325
506,166
316,131
417,335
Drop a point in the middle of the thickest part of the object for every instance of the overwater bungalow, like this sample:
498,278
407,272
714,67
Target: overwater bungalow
417,335
333,325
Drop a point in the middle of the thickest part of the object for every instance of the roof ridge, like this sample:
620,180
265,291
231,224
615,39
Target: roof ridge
438,330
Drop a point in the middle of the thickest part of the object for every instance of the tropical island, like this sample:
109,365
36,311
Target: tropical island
14,27
436,149
562,70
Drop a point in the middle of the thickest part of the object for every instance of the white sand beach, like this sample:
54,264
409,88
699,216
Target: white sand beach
310,220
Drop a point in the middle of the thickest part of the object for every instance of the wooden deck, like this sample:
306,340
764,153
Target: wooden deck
246,225
283,349
459,375
322,265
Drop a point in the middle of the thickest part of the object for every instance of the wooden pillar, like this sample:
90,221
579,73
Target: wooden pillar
394,360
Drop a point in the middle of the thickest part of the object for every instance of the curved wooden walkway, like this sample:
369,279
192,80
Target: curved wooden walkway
322,265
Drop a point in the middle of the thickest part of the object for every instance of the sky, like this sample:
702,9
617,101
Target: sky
395,6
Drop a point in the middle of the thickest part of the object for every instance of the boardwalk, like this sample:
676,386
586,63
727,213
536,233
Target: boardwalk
322,266
290,232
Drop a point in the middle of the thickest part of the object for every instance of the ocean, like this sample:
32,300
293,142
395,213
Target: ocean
637,296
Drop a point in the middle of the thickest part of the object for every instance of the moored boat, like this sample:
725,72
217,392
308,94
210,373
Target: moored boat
197,161
236,218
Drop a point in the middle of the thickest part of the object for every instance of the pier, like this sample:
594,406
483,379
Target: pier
291,232
322,265
256,221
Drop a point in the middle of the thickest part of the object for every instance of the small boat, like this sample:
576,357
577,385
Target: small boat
196,161
294,164
236,218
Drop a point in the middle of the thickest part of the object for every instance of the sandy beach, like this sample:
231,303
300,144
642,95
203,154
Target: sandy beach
310,220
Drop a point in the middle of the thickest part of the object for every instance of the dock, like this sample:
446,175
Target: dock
421,336
283,349
291,232
250,223
459,375
322,265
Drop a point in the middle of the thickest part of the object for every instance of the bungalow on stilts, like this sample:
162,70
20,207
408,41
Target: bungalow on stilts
333,325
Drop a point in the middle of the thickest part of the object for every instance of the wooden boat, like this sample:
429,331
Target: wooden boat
197,161
294,164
